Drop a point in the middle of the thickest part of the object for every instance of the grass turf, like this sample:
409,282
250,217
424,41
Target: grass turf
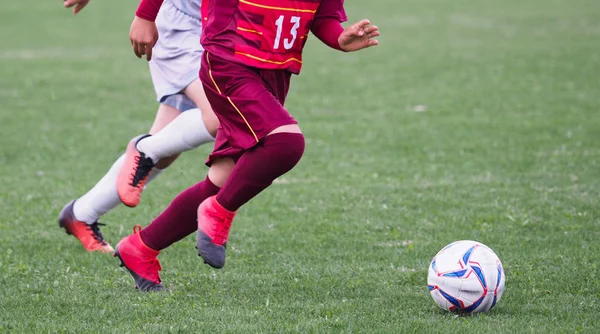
507,153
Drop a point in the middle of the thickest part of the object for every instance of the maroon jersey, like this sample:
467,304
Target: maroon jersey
267,34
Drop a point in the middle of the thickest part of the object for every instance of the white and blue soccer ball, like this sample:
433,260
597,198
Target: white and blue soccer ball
466,276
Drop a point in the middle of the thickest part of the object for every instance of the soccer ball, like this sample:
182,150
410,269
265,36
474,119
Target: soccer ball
466,276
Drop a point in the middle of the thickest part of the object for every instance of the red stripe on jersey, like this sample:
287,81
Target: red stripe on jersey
268,34
275,40
261,59
281,5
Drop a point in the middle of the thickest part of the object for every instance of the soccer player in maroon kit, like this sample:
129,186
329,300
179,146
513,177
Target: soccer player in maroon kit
252,49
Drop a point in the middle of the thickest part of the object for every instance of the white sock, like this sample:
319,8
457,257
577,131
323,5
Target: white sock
101,198
184,133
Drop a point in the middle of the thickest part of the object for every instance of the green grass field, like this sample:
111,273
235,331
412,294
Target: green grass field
506,153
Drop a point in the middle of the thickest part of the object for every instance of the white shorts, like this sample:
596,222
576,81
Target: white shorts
176,56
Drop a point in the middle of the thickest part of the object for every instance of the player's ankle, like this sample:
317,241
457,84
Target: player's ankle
143,246
84,213
142,147
221,209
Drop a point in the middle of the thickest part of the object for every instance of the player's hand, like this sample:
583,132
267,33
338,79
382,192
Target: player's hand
358,36
143,35
79,4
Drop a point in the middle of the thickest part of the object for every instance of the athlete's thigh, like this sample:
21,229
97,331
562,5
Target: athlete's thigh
176,56
165,115
195,92
244,100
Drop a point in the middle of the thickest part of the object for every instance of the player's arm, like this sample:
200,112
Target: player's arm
143,33
328,28
77,4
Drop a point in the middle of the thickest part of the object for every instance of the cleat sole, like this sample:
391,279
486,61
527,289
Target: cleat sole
212,254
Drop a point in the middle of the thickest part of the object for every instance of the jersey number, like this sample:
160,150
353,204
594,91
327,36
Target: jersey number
287,43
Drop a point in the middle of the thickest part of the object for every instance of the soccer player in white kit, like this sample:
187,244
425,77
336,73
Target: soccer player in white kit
184,119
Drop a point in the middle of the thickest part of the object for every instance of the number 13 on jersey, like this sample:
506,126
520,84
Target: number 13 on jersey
288,42
278,26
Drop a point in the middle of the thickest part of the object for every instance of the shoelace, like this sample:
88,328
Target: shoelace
153,268
96,232
222,230
154,264
144,166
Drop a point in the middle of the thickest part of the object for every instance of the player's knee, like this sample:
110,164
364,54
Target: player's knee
165,115
296,145
219,171
289,147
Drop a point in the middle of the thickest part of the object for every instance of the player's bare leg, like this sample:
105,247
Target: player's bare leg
190,130
195,92
277,153
219,171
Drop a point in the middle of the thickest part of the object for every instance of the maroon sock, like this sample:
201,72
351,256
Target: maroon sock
179,219
259,166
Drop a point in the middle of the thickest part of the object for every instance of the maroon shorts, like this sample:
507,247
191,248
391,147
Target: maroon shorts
247,101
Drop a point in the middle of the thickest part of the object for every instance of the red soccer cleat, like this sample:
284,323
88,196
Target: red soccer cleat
133,174
214,222
140,260
88,234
